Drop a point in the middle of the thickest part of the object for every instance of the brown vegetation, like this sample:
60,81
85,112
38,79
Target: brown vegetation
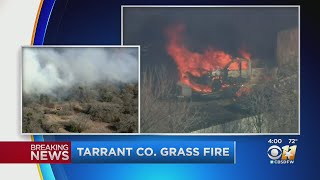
83,109
161,110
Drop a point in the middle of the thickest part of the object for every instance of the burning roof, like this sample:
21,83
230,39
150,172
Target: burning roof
197,64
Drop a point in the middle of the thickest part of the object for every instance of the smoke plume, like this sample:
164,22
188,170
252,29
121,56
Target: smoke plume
48,69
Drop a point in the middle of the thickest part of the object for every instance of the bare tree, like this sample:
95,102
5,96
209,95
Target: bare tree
161,110
273,105
285,107
257,104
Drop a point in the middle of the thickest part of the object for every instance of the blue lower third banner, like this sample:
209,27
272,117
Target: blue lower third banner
154,152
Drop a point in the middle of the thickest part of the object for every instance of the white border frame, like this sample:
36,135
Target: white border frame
77,46
219,6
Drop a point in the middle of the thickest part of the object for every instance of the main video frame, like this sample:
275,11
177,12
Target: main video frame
217,70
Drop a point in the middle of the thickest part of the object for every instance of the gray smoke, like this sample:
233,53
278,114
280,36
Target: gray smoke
47,69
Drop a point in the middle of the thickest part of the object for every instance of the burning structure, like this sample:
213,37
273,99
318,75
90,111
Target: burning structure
273,106
209,72
215,71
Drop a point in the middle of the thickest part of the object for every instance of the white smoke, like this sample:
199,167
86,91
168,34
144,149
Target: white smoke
49,68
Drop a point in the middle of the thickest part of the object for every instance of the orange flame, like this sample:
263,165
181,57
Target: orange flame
197,64
243,91
244,54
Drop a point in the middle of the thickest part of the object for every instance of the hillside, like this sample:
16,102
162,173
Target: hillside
97,108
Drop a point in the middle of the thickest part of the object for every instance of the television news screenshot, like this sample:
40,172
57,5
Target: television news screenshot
164,90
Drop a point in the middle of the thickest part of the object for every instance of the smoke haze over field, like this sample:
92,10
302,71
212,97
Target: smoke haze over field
47,69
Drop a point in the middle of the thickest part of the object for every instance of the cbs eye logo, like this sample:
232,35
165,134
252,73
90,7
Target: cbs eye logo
274,152
285,153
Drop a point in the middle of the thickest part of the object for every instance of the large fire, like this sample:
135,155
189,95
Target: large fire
199,64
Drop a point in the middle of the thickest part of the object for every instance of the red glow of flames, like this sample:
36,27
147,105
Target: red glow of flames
244,54
243,91
198,64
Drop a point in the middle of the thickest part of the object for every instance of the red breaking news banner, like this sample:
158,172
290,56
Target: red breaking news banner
35,152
